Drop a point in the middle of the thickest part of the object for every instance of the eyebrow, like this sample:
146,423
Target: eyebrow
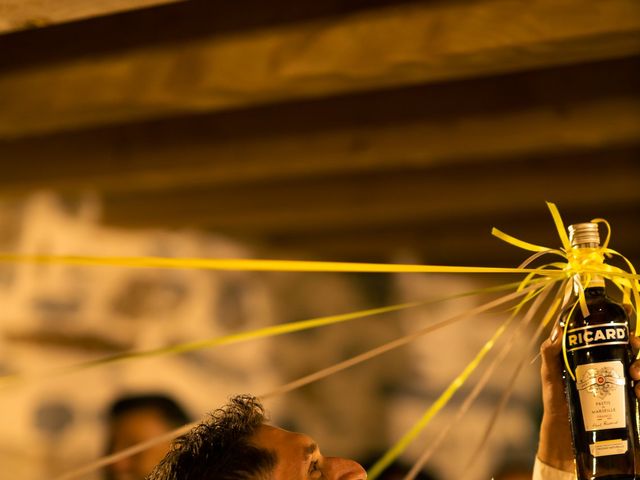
310,449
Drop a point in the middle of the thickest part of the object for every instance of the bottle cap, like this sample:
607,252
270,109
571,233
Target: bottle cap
584,233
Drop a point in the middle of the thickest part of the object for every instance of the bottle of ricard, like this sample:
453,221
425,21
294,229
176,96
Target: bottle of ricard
603,408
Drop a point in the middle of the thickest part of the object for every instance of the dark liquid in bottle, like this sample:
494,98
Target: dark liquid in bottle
606,443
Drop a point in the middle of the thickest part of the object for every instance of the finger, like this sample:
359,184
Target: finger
552,345
635,343
550,354
634,370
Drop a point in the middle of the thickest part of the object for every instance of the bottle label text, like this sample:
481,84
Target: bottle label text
601,387
597,335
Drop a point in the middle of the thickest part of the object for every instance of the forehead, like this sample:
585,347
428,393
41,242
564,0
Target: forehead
268,435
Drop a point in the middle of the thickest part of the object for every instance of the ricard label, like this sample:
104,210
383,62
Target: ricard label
609,447
597,335
601,387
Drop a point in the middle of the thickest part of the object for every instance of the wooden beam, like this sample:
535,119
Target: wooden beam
18,15
356,150
525,115
360,201
444,213
383,48
173,23
453,241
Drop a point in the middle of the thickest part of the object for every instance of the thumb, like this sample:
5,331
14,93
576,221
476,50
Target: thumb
550,353
635,344
553,396
634,370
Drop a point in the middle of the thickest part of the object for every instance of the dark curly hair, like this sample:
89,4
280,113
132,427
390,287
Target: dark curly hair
220,448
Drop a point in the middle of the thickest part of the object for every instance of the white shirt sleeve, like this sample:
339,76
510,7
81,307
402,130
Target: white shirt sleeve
542,471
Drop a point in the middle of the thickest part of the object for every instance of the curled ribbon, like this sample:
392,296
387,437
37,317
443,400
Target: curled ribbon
581,267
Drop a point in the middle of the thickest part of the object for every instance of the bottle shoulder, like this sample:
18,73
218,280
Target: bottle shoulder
602,310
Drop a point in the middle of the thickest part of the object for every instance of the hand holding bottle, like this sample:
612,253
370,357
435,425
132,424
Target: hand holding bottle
634,370
554,447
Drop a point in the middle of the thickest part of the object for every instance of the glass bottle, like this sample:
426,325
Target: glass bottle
603,409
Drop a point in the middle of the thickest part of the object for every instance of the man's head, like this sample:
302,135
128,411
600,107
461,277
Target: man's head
135,419
236,444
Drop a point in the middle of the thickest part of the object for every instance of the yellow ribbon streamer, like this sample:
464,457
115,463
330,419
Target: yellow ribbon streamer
242,264
270,331
581,267
334,368
511,381
438,405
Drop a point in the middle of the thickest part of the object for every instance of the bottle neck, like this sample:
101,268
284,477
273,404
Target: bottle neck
594,292
590,280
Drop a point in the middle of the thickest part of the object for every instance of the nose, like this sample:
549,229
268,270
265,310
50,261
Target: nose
342,469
